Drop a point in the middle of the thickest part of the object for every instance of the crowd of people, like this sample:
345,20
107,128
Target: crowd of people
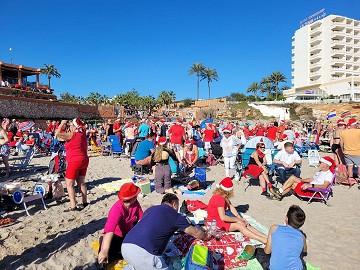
131,234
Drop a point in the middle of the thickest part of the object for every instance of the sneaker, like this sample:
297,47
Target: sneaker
265,193
274,191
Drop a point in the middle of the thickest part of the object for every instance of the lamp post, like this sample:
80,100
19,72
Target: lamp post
10,55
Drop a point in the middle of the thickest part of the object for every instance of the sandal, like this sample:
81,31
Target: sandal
71,209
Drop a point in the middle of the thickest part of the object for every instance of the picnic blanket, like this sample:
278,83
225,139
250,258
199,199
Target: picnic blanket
113,186
194,194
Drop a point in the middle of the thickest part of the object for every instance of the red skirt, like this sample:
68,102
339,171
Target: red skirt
253,170
304,193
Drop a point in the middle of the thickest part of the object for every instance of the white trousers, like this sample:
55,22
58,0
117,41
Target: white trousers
229,163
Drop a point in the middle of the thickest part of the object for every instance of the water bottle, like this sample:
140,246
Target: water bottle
213,227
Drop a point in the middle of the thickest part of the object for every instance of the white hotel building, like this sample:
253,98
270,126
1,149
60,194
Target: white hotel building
326,60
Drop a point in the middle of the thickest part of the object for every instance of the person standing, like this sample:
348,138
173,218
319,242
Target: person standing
350,144
76,158
4,150
118,130
109,128
177,134
230,145
144,129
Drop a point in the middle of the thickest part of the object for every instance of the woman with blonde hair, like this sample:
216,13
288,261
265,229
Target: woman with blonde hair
220,202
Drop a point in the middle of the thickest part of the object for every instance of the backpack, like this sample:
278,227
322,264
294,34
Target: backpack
199,258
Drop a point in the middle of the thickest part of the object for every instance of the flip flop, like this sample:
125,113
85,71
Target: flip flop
71,209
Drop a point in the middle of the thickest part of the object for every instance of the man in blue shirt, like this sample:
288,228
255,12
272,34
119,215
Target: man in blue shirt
144,130
144,150
144,245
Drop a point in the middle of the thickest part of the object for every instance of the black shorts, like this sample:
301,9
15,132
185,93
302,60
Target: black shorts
335,147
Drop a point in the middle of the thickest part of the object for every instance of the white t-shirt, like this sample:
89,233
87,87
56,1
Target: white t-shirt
287,158
230,146
321,177
290,134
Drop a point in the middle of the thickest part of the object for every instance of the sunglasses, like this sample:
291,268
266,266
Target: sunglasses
262,147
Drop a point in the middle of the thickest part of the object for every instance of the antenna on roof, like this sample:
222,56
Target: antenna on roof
10,55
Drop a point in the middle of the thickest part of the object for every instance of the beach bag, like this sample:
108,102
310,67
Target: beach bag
200,175
342,175
199,258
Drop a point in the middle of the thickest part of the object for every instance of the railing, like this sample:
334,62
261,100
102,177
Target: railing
311,101
25,93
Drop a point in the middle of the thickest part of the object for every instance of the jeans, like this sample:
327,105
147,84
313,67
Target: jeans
285,173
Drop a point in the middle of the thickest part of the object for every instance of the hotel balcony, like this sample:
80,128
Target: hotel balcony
293,51
315,64
293,59
315,38
292,81
356,50
315,26
293,43
338,21
335,41
338,61
315,57
292,74
292,66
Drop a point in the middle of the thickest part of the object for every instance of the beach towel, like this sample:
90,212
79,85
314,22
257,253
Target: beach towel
113,186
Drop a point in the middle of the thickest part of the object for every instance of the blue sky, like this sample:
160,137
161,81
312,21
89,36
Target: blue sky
115,46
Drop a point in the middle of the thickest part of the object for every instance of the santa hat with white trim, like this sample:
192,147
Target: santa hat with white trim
162,140
328,161
226,184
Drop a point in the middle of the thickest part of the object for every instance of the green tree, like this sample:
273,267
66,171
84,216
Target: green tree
210,75
67,97
254,88
237,97
197,69
267,87
188,102
130,99
166,98
276,78
148,103
50,71
95,98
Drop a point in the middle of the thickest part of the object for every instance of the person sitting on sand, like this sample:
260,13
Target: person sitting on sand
25,144
286,242
322,180
144,245
122,217
190,155
220,203
162,168
257,168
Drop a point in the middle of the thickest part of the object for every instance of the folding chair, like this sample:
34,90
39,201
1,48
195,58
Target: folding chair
23,164
320,194
115,145
313,157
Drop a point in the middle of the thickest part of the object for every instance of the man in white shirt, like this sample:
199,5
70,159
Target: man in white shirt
321,180
287,161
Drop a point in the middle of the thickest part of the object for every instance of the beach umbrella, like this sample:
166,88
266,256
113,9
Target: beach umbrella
24,126
203,123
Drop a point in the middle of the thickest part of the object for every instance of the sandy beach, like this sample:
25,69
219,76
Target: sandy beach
52,239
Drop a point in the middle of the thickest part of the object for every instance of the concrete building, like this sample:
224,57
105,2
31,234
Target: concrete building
326,60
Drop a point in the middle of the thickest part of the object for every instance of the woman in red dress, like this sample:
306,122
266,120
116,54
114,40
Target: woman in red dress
76,158
220,202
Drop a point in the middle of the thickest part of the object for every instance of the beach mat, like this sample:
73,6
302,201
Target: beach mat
113,186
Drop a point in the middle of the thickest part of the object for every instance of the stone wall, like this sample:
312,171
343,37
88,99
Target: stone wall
26,108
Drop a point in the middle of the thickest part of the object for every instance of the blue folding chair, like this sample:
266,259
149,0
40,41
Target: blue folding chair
115,146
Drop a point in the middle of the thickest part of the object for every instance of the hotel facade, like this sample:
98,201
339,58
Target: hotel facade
326,60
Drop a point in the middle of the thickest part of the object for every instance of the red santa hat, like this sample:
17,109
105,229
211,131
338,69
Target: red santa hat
226,184
162,140
226,130
78,124
340,122
162,120
189,142
284,136
352,121
297,134
329,161
153,120
179,122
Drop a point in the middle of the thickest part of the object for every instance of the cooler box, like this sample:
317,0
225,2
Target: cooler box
132,160
144,185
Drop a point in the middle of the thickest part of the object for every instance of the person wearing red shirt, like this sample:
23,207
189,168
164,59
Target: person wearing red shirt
246,131
208,136
271,132
177,134
77,159
117,130
217,206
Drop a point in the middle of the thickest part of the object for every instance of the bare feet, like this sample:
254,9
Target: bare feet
170,190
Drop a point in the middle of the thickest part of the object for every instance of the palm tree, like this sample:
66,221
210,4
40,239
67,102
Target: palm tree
94,98
276,78
253,88
266,86
210,75
197,69
49,71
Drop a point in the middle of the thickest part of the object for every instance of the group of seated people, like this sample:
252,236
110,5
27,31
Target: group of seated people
287,162
140,238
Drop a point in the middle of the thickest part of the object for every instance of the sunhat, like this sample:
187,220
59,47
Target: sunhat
128,191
